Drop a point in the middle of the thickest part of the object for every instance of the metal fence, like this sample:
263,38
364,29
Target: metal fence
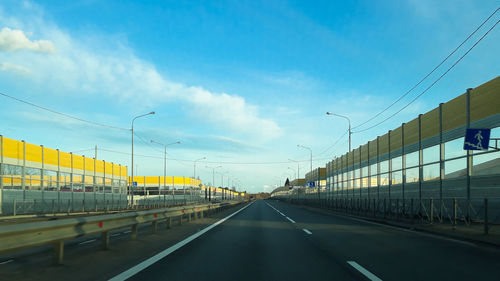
448,211
424,158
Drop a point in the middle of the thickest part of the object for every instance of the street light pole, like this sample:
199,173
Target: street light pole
310,151
194,166
293,171
298,174
213,181
132,167
165,161
349,121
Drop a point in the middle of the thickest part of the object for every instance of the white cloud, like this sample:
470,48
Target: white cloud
234,111
12,40
84,69
17,69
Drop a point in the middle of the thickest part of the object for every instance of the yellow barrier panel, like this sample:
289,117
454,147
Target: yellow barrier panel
12,148
50,156
33,153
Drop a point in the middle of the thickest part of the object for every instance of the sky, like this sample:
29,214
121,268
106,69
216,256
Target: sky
240,83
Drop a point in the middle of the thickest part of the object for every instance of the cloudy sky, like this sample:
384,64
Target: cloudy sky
238,82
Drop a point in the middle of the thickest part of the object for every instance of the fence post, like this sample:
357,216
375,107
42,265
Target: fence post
397,208
485,215
411,210
374,207
431,211
105,240
385,208
133,234
454,213
58,252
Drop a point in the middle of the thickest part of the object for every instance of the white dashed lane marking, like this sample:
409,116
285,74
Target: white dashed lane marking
363,271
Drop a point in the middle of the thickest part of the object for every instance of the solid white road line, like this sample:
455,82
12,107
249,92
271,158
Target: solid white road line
363,271
292,221
116,234
143,265
88,241
6,262
307,231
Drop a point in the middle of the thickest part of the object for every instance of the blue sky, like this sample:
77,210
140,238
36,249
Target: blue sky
234,81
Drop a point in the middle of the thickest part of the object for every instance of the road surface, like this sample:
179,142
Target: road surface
271,240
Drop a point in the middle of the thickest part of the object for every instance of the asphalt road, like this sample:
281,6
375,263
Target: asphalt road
271,240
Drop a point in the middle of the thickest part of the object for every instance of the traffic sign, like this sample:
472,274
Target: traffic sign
477,139
135,183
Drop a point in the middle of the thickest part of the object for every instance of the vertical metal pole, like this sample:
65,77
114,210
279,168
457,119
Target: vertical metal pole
1,173
165,168
420,161
390,164
486,227
378,168
84,182
23,171
42,177
360,175
369,170
431,212
403,167
58,252
469,153
71,179
441,160
131,184
454,213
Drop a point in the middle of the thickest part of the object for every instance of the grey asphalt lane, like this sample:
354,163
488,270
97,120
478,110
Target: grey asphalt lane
256,244
392,253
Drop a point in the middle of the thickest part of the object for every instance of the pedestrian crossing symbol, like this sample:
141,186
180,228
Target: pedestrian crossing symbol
477,139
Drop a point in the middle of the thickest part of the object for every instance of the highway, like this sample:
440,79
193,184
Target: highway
271,240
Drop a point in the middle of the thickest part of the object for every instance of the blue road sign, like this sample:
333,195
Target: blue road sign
477,139
312,184
135,183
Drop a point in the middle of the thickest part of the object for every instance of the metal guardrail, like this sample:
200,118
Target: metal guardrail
30,234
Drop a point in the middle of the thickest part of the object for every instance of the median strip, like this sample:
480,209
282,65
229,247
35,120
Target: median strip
363,271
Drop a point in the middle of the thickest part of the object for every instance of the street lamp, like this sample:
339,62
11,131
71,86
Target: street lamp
213,181
310,150
165,161
293,171
194,168
348,120
132,168
298,174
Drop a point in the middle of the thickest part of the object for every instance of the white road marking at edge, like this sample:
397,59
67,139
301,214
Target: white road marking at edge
365,272
88,241
143,265
307,231
128,231
116,234
292,221
6,262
